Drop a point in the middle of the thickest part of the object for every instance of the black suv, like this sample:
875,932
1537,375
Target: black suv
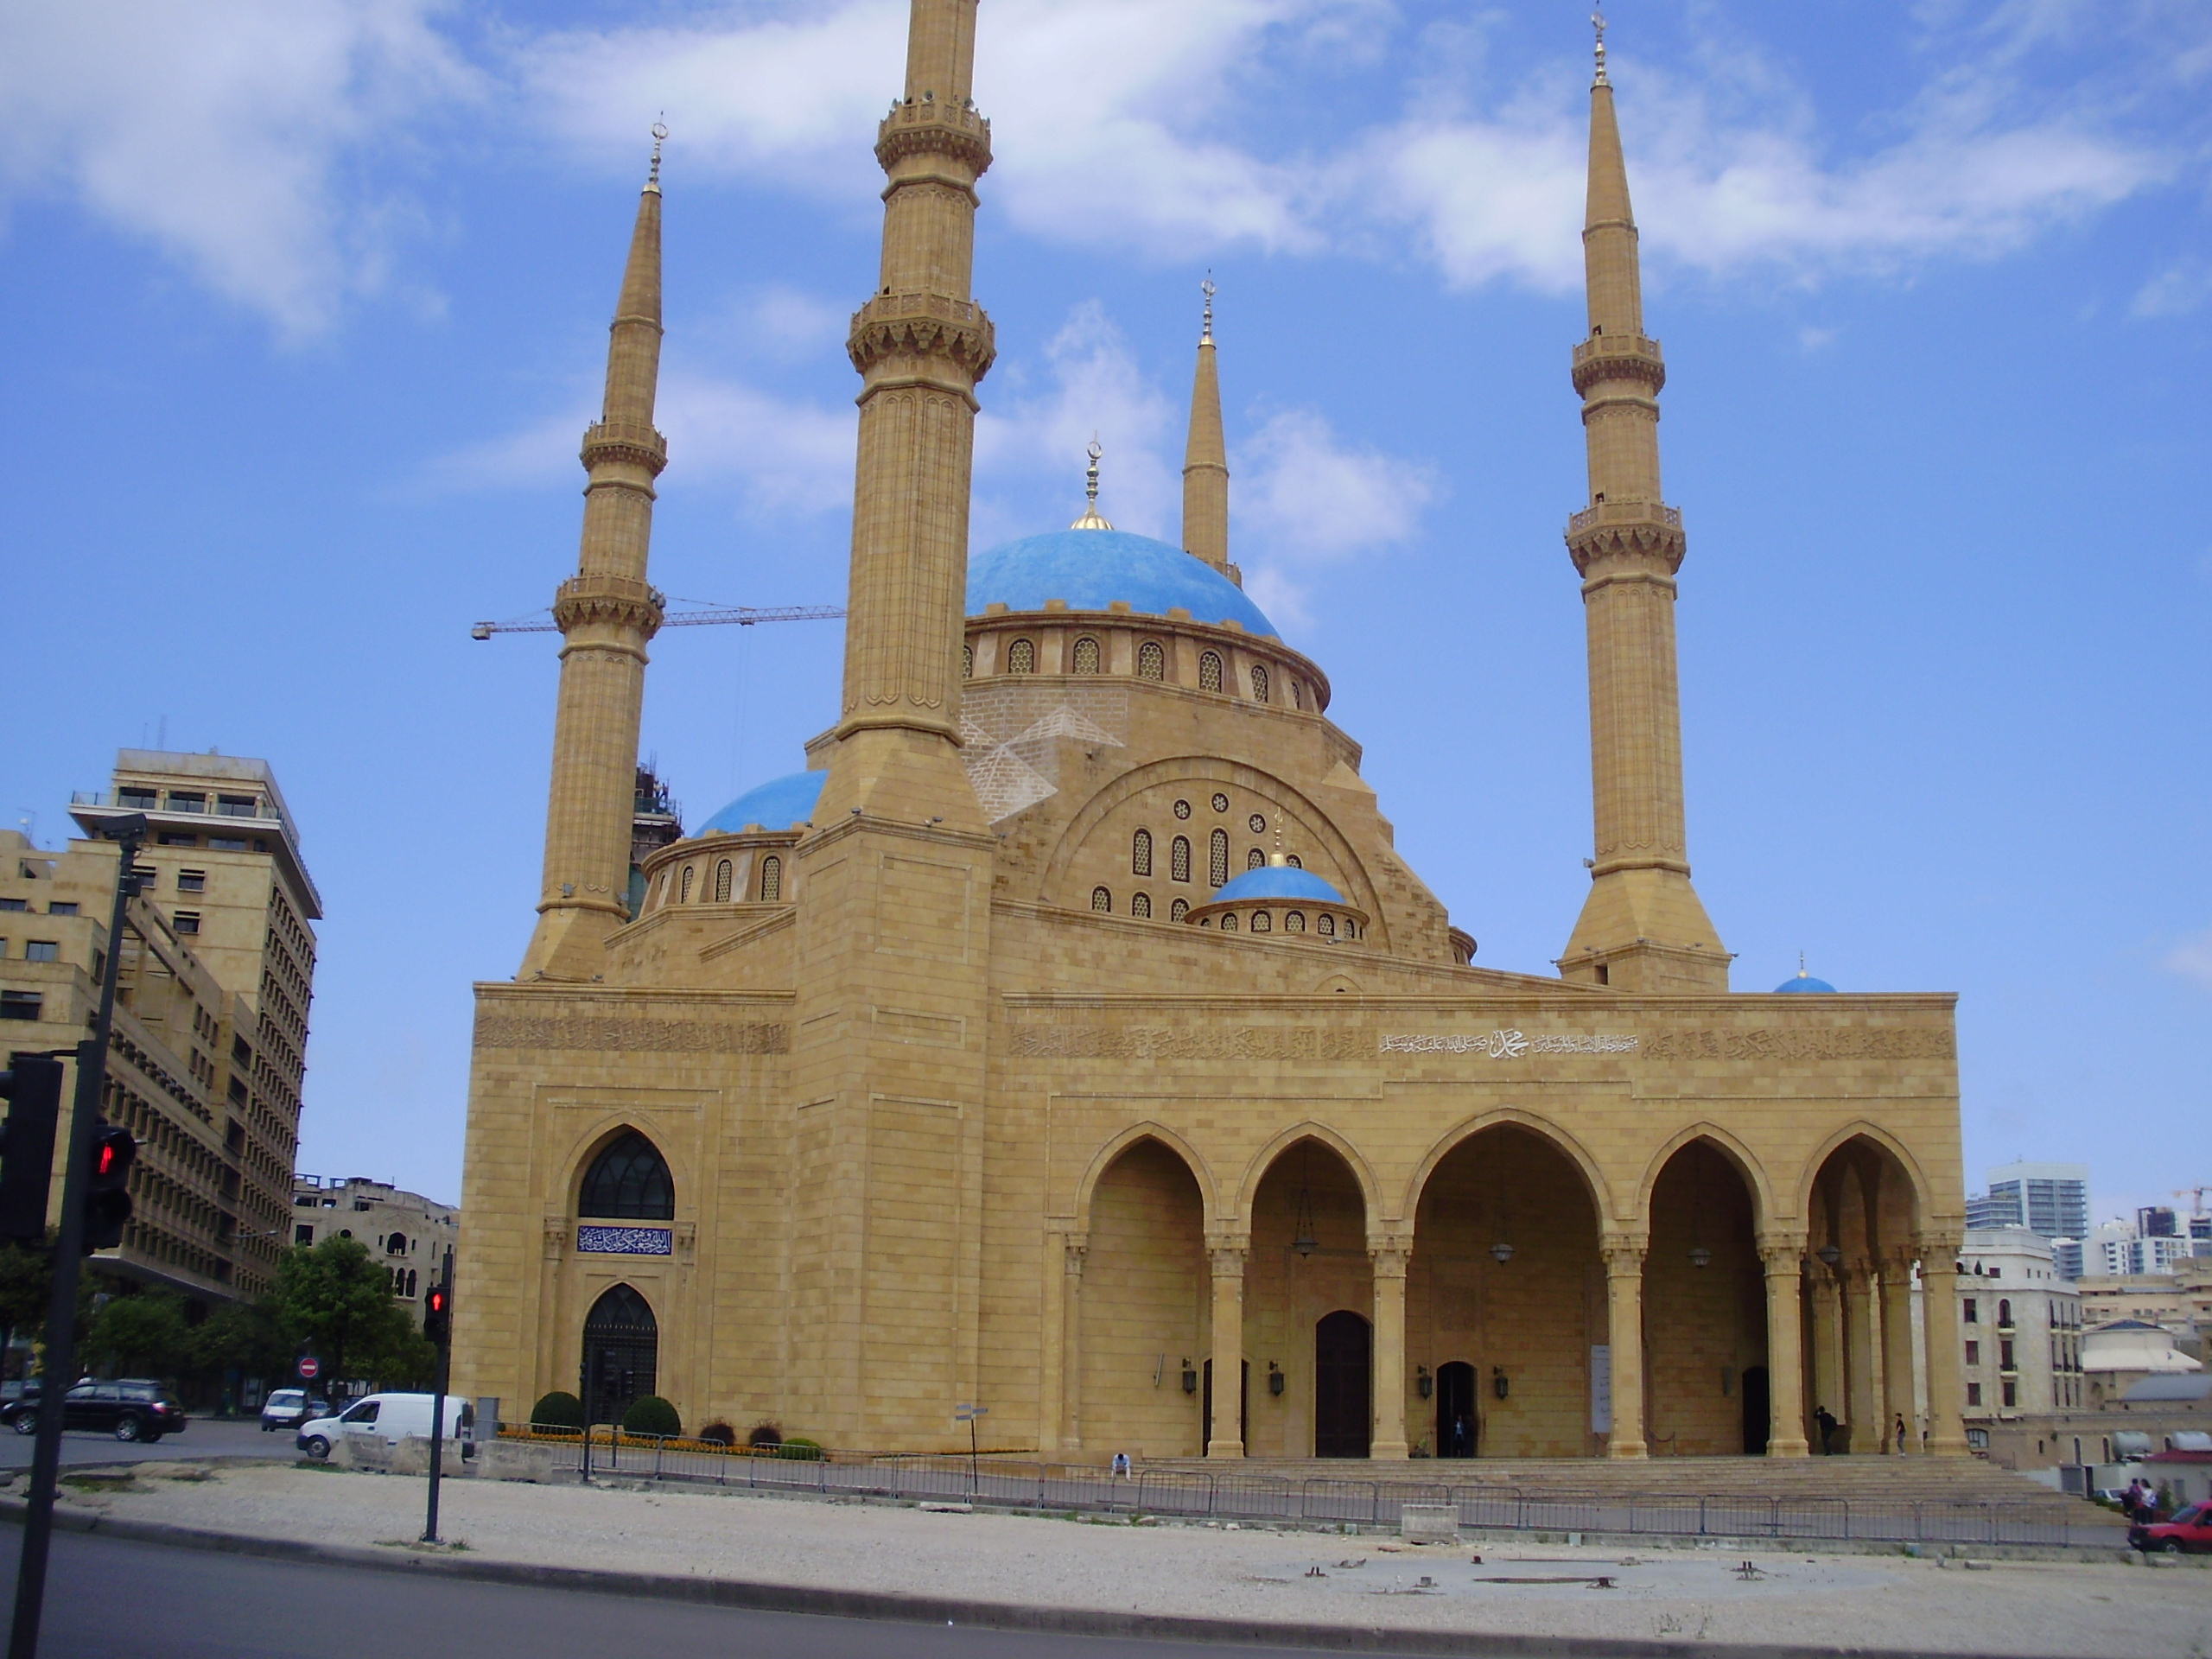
132,1409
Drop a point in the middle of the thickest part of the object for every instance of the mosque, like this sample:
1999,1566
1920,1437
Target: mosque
1068,1038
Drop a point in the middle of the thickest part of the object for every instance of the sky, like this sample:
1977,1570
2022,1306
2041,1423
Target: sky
303,310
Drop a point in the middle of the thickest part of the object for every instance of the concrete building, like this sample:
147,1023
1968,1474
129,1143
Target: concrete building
2121,1248
2120,1353
2180,1301
2022,1325
216,976
2049,1199
406,1231
1070,1037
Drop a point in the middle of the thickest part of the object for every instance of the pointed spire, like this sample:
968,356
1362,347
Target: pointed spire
1610,258
660,137
1205,459
633,353
1091,520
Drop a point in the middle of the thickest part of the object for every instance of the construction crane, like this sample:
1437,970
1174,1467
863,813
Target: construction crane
2196,1196
706,614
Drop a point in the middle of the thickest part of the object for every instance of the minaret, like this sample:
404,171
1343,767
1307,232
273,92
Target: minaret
1643,927
1206,460
607,612
920,343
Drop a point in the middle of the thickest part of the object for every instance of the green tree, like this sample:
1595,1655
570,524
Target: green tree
246,1338
144,1335
26,1286
334,1296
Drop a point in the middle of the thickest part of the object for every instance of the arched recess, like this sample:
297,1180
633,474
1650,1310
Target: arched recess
621,1353
1593,1179
1505,1276
1086,1190
1145,1309
1878,1140
1864,1204
1371,1189
626,1178
1704,1307
1310,1211
1747,1165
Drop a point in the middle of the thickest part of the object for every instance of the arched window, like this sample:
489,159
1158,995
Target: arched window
1293,860
1297,694
1141,853
1086,655
1328,925
1255,859
722,873
771,880
1262,922
1140,903
1210,672
1021,657
1217,859
1351,929
1295,922
1102,899
396,1245
411,1281
1178,858
1259,684
1229,921
967,662
1151,661
628,1181
683,895
1178,909
2005,1313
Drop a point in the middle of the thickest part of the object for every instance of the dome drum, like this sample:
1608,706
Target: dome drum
747,869
1280,897
1117,644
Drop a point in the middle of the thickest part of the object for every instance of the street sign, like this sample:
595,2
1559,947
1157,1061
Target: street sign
310,1368
969,1414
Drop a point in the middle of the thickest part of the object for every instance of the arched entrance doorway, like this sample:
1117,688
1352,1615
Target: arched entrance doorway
1344,1397
621,1354
1705,1328
1145,1314
1459,1424
1308,1258
1859,1350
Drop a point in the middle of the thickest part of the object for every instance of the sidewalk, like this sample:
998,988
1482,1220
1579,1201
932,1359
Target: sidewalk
1251,1584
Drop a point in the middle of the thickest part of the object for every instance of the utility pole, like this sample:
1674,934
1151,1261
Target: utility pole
60,1370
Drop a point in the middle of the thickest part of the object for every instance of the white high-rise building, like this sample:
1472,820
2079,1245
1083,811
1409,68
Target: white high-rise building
2051,1200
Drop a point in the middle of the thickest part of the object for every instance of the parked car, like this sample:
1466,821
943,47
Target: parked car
289,1408
384,1420
2189,1533
131,1409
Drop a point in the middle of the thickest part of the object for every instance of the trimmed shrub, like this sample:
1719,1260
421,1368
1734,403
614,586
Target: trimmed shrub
558,1410
718,1434
801,1449
651,1416
765,1436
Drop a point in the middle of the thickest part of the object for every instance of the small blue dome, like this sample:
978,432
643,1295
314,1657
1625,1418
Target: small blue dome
1091,569
1279,881
1804,981
780,803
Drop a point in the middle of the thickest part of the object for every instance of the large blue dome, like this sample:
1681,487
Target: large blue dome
1280,881
1804,981
1090,569
780,803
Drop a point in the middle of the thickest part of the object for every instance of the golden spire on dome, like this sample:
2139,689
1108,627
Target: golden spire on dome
1091,520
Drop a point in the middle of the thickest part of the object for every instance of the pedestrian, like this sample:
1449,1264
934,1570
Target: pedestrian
1824,1420
1120,1465
1897,1436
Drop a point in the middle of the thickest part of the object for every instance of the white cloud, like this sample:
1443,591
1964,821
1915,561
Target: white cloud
220,131
2192,959
2179,289
1301,498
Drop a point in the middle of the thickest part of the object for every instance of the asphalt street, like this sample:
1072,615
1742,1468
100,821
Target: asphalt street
109,1599
199,1440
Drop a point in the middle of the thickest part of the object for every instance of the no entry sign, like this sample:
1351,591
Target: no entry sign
310,1368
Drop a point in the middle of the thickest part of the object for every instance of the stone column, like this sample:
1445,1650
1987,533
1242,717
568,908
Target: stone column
552,1315
1624,1331
1074,1248
1863,1404
1389,1257
1897,1351
1939,1277
1225,1434
1783,1260
1824,1343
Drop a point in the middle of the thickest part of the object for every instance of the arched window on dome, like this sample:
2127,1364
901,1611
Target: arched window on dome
1141,853
683,894
1141,905
1102,899
1022,656
1178,858
1293,860
1255,859
1259,684
1328,926
1151,661
1295,922
771,880
1229,921
628,1181
1262,922
722,874
1297,694
1210,672
1352,929
1178,909
1217,859
1086,655
967,662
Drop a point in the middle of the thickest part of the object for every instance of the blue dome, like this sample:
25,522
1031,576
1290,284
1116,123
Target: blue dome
1091,569
1279,881
1804,981
780,803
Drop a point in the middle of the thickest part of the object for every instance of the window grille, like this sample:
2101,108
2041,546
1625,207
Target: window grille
1295,922
1255,859
1217,859
722,874
1294,861
1086,655
1297,694
1021,657
771,880
1328,925
1259,684
1351,928
683,894
1182,808
1178,909
1178,858
967,662
1229,922
1221,802
629,1181
1141,853
1141,905
1210,672
1102,899
1261,923
1151,661
1259,824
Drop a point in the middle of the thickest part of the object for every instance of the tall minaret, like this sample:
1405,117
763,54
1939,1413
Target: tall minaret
920,343
1206,460
1643,927
606,612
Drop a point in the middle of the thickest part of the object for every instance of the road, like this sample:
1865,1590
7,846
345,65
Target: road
109,1599
199,1440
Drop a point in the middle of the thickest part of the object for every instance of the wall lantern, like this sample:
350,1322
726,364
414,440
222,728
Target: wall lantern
1829,1253
1498,1385
1190,1377
1424,1384
1500,1253
1275,1377
1700,1257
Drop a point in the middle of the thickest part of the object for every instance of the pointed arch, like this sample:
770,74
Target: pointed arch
1103,1159
1593,1179
1745,1160
1370,1189
1916,1184
626,1178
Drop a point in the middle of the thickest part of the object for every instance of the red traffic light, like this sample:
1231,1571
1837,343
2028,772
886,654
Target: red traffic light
107,1194
438,1299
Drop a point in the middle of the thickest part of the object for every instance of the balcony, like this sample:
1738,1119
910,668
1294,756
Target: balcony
139,800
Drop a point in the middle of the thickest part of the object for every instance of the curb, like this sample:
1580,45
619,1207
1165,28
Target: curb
890,1607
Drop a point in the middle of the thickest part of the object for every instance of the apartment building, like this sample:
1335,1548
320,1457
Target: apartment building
2020,1323
406,1231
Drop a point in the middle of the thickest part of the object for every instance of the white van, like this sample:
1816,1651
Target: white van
387,1419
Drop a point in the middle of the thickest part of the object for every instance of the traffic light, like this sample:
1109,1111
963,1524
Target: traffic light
33,1089
107,1190
437,1315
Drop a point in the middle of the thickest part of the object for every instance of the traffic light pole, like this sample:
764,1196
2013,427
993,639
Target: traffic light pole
438,1400
59,1369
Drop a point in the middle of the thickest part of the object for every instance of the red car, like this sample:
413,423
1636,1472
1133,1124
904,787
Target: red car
2189,1532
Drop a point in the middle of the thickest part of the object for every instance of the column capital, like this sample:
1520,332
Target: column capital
1624,1253
1940,1247
1074,1247
556,1236
1389,1253
1782,1252
1228,1256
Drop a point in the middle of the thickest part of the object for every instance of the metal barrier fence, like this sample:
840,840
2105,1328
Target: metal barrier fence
1189,1494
